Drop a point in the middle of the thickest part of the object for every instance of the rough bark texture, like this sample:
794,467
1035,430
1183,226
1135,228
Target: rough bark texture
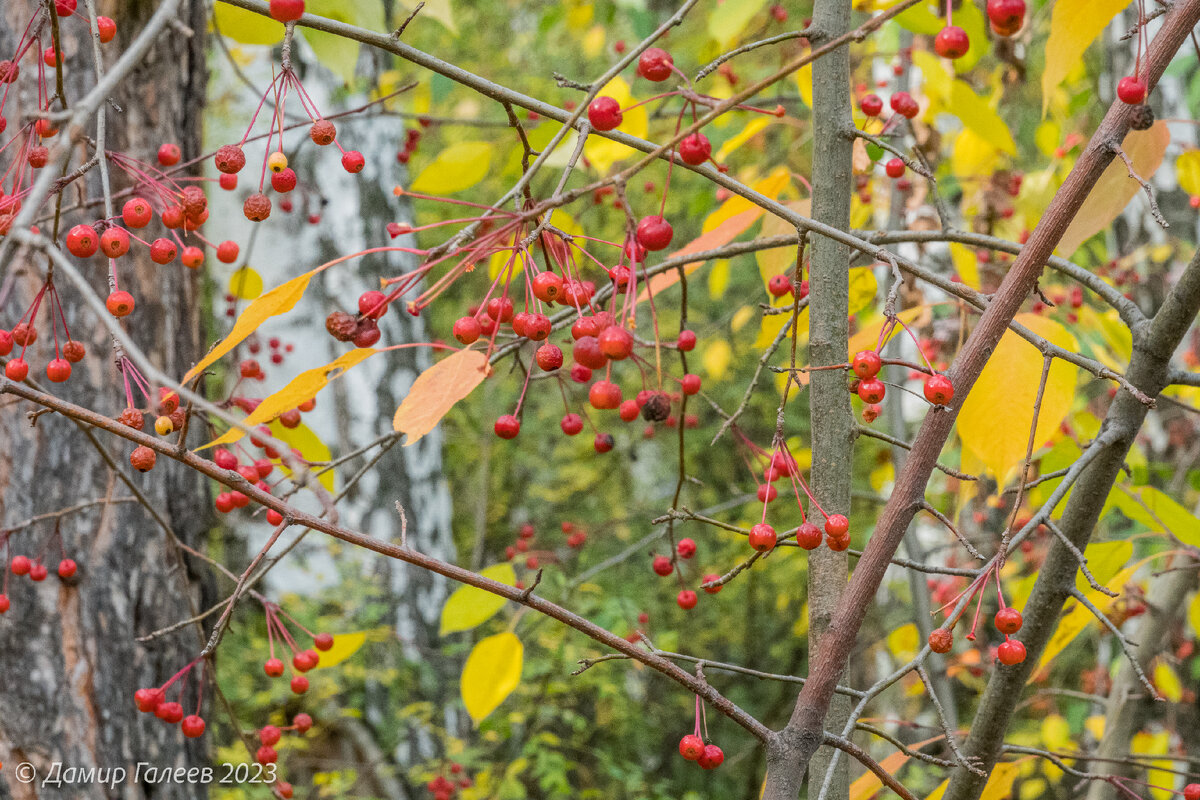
67,650
831,414
1152,349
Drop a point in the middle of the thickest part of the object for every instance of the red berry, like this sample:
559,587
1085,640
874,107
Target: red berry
588,353
1011,652
939,390
686,341
686,599
654,64
615,342
507,427
303,722
709,578
148,700
691,747
467,329
16,369
82,241
5,605
305,660
227,252
192,258
837,525
38,572
115,242
695,149
6,342
904,105
193,727
137,212
1131,90
371,304
662,566
1191,791
353,161
65,8
58,370
767,493
1008,15
871,105
547,286
169,155
686,548
162,251
273,667
299,684
549,357
779,285
265,754
20,565
604,395
142,459
571,424
690,384
808,536
895,168
866,364
287,11
952,42
170,713
941,640
107,28
120,303
763,537
654,233
229,159
1008,620
285,180
871,390
713,756
604,113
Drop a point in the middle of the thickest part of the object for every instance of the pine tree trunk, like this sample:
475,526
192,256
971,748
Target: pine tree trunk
69,656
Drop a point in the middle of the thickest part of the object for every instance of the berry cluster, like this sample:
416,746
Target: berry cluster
450,782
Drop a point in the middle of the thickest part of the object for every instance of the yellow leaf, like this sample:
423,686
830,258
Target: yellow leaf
804,84
718,279
1193,615
904,642
770,186
304,386
999,785
868,335
1056,732
716,359
1157,511
728,19
740,317
458,167
883,474
492,672
280,300
439,10
956,97
1167,682
1157,743
1187,171
863,288
436,390
1074,25
778,260
996,417
310,446
723,234
1113,191
603,153
344,646
965,264
973,156
1095,726
772,324
752,129
244,26
469,607
245,284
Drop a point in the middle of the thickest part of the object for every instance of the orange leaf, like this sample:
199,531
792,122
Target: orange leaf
1115,189
436,390
868,784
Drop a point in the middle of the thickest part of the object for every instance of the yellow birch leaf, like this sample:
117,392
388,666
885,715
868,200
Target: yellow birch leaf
965,264
458,167
752,129
244,26
904,642
469,607
1193,615
280,300
772,324
863,288
245,284
804,84
304,386
436,390
491,674
310,447
1113,191
1187,171
996,417
344,646
1074,25
716,358
1167,682
728,19
1056,732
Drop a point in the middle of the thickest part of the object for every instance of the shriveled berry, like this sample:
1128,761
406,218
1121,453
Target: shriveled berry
941,640
549,357
322,132
257,207
230,159
341,326
142,459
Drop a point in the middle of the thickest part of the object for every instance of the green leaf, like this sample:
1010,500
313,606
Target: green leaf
730,18
469,607
337,53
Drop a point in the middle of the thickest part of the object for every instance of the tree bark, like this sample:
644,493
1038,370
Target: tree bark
832,418
68,649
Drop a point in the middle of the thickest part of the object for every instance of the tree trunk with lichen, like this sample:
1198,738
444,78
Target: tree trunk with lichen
69,654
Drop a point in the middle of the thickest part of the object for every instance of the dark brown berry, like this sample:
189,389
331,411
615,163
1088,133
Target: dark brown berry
341,326
1142,117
